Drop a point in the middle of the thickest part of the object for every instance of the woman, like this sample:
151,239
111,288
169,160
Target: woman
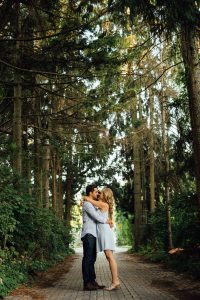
105,236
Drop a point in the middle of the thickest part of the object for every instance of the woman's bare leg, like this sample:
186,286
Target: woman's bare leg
112,265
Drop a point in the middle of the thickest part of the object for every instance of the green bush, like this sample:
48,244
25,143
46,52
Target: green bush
155,232
124,229
185,232
7,223
185,218
31,238
10,278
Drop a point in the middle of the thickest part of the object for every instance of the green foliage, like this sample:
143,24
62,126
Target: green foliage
161,15
16,269
185,262
47,234
182,262
185,218
124,229
185,232
154,256
10,277
83,52
7,223
155,232
11,273
31,238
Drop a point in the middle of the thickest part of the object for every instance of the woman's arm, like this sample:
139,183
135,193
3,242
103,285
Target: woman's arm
111,223
94,214
98,204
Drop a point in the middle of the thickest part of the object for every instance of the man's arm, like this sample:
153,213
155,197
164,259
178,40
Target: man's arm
89,208
99,204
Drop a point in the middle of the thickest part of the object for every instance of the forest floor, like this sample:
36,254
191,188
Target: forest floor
139,278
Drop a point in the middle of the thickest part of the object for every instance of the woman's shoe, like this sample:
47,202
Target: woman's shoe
113,287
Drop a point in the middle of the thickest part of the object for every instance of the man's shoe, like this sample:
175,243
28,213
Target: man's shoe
100,287
90,287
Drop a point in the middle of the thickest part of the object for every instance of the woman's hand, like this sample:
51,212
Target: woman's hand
111,223
81,201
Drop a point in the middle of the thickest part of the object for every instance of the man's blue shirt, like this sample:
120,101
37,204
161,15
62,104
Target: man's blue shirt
91,216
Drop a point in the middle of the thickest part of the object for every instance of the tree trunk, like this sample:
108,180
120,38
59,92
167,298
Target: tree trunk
190,53
37,168
37,154
26,170
143,169
17,116
45,173
137,193
166,170
151,156
68,200
137,182
60,190
60,196
54,183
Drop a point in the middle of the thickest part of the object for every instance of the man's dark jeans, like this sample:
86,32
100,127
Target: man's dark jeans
89,258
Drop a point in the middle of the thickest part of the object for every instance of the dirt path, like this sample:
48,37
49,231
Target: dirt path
139,280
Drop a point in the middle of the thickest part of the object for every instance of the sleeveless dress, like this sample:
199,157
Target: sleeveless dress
105,235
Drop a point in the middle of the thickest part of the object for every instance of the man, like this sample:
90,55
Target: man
88,237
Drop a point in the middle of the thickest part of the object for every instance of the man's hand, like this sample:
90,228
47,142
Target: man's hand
110,222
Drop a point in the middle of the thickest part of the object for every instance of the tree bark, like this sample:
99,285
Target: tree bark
60,190
17,115
137,194
190,53
137,181
26,163
166,170
68,200
54,183
151,156
37,153
143,169
45,173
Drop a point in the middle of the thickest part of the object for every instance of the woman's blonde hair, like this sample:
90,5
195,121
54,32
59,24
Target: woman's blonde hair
108,197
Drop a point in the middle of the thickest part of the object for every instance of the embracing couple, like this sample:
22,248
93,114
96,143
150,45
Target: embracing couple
97,235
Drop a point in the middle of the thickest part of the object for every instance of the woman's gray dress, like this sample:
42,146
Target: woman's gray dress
105,235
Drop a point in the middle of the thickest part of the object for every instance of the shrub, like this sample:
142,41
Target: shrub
124,229
31,238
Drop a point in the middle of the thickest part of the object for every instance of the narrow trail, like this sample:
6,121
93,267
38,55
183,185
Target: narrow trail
140,280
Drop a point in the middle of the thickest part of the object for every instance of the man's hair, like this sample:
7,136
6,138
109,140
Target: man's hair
90,188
